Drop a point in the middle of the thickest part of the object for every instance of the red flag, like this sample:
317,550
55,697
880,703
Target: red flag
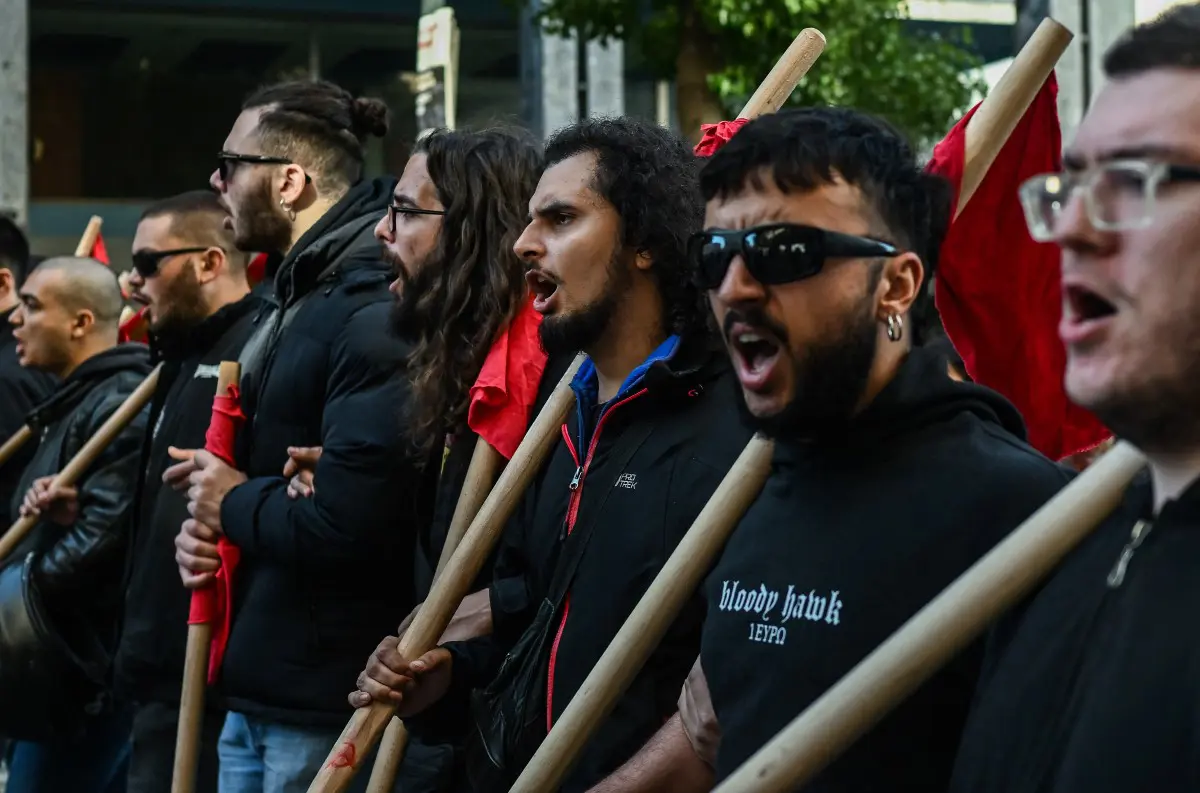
134,327
257,269
507,386
714,136
99,252
212,604
998,291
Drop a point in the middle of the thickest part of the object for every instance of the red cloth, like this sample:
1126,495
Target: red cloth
714,136
998,291
211,605
99,252
135,329
257,269
507,386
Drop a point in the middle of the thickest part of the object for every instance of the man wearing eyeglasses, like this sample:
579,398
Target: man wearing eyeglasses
192,279
890,477
1093,681
321,578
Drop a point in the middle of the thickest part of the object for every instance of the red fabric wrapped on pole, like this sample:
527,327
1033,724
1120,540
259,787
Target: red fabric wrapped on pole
714,136
998,291
99,252
212,603
135,328
507,386
256,271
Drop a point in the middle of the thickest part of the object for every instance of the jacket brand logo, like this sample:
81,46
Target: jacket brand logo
627,481
207,370
767,605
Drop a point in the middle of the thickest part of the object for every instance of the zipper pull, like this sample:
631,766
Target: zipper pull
1136,537
575,479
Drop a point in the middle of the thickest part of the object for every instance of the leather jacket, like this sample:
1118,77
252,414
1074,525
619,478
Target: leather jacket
60,589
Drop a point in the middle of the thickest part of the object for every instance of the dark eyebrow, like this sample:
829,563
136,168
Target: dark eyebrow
1074,161
554,207
404,200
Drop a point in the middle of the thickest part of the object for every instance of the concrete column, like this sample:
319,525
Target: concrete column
549,77
14,109
606,78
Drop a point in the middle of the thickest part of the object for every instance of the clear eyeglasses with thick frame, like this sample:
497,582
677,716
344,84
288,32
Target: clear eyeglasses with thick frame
1118,195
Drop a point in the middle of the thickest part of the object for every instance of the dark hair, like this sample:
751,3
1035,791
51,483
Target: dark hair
801,149
319,126
198,217
648,174
474,283
14,250
1169,41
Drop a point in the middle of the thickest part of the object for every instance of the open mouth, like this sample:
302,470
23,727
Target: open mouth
755,353
543,288
1085,305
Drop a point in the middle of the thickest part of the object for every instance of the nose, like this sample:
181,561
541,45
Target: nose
16,318
739,287
135,280
214,181
383,232
1074,231
529,246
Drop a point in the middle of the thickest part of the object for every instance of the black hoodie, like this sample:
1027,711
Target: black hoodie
149,664
1093,687
850,537
322,578
20,389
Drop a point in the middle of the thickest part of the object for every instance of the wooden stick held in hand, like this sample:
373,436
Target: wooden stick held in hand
90,235
195,663
367,724
786,74
481,473
78,464
15,442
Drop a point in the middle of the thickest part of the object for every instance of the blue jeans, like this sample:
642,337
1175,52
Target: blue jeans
263,757
95,763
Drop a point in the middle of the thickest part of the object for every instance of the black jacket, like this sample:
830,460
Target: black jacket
684,409
1093,685
149,662
850,537
20,390
65,582
321,579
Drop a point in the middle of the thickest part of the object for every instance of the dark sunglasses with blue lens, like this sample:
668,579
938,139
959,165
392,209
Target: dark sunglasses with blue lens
777,253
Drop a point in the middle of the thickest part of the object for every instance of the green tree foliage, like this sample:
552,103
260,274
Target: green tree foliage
719,50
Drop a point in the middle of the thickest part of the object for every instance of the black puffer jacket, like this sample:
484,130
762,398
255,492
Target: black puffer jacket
60,592
20,390
322,578
149,663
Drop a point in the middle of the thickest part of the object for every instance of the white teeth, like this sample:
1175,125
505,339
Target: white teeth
749,338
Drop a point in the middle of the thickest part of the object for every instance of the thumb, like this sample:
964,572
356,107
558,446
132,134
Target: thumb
308,454
429,661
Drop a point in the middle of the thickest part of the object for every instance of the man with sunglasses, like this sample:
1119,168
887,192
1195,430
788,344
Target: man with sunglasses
316,586
890,478
1092,685
192,279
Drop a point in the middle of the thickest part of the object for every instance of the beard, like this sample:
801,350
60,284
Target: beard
829,378
407,320
181,306
260,224
582,329
1157,414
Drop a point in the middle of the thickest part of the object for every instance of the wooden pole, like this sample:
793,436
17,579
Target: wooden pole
21,436
78,464
189,732
648,622
481,473
679,577
90,234
937,632
367,724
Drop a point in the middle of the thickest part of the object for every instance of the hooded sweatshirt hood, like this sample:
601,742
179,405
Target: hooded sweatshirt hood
123,357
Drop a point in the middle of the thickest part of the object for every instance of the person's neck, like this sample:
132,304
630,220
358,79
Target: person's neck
1172,473
632,334
88,348
222,294
884,369
306,219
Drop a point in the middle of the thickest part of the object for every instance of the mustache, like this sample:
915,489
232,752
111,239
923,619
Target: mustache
754,317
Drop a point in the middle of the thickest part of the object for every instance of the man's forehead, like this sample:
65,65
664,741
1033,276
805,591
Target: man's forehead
1156,111
243,129
837,205
571,180
415,181
152,229
41,283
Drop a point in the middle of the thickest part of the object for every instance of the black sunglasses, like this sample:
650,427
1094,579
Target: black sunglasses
146,263
778,253
397,209
226,158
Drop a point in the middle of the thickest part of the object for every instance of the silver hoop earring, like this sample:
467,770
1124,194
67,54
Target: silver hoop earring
895,327
287,209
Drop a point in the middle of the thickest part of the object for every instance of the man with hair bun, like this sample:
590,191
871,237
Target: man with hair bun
317,583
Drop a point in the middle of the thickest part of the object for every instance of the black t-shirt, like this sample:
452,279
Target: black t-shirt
849,538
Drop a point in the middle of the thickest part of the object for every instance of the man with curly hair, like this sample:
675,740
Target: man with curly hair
654,430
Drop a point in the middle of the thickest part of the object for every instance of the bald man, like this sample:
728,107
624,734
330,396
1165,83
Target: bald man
60,589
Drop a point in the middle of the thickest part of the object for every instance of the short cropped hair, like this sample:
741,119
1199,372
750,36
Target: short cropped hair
87,284
14,249
1169,41
198,217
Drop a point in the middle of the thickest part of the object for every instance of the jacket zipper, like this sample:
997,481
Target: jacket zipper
576,488
1136,537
